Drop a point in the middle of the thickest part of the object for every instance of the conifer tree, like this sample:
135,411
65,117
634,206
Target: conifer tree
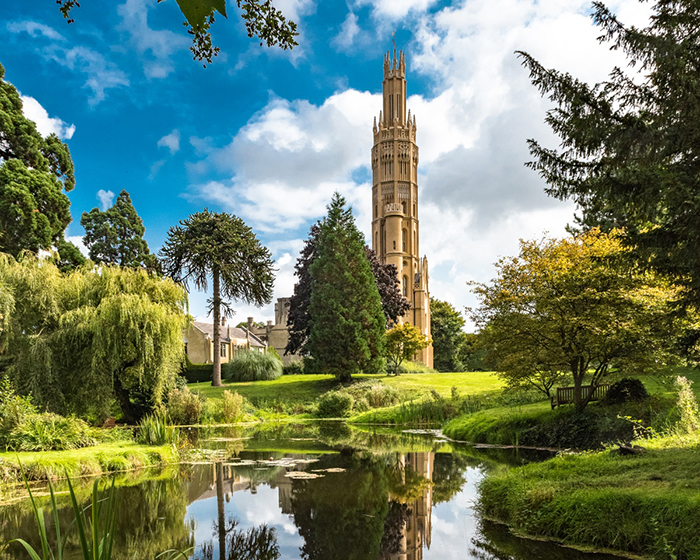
346,317
115,236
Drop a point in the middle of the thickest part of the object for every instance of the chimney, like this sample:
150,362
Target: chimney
250,326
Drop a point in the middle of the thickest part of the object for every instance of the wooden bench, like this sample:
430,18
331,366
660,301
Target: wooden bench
565,395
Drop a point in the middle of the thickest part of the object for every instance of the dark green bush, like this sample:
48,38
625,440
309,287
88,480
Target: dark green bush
295,368
195,373
252,366
335,404
625,390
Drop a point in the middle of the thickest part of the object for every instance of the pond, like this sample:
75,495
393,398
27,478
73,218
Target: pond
314,491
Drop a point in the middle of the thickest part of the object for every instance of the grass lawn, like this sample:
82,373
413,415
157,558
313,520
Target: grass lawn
299,389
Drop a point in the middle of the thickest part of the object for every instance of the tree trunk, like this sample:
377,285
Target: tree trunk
216,304
221,518
578,374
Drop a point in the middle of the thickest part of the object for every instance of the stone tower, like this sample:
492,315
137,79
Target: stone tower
395,197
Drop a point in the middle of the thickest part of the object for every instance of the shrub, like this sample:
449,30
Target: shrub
184,406
252,366
687,407
335,404
414,367
627,389
155,430
273,352
13,408
295,368
195,373
232,406
50,432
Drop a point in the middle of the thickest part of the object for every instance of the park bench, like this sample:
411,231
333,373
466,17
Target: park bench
565,395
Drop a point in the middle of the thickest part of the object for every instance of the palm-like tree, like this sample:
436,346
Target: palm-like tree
222,247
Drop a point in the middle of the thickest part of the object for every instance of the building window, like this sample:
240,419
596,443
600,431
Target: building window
223,349
394,242
403,240
405,287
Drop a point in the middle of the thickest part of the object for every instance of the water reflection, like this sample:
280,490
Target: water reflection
319,493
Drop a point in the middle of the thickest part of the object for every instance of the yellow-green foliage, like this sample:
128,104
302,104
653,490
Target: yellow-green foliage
232,406
402,343
77,340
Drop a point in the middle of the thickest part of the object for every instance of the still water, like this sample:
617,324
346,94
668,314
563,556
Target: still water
315,492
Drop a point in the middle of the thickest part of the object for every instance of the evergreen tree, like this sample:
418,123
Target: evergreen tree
446,325
347,322
630,146
115,236
223,247
386,277
35,174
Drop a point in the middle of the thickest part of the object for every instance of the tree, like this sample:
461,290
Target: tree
386,277
346,332
223,247
68,257
574,306
630,146
78,341
403,342
446,325
115,236
262,20
35,175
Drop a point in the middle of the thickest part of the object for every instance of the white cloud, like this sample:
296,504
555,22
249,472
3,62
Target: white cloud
396,9
171,141
35,29
46,125
77,240
348,32
106,199
154,46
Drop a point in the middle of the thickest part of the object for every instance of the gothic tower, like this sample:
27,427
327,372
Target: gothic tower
395,197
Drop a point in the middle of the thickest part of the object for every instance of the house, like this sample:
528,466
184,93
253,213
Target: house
199,342
277,335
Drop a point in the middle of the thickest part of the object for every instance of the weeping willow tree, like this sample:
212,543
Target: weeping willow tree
78,341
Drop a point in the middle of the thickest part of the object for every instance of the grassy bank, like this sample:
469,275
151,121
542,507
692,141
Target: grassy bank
106,457
646,504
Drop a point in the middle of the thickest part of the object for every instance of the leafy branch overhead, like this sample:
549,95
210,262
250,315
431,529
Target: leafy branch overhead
262,20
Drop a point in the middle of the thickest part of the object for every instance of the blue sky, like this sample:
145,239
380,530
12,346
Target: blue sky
269,135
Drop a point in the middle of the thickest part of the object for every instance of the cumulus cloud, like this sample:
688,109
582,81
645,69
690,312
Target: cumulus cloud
46,125
477,198
171,141
106,199
154,46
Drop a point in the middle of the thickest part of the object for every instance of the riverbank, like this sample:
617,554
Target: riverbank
86,461
646,503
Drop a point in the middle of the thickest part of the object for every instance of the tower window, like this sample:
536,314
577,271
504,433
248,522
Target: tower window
405,287
403,239
394,244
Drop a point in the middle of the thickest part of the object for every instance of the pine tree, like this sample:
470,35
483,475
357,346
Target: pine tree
115,236
630,146
346,316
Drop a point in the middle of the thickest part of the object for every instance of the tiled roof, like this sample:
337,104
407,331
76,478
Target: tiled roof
227,333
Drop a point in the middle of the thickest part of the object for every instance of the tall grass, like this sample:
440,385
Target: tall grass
155,430
252,366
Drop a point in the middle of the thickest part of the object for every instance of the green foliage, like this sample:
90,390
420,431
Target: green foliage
446,324
115,236
407,366
335,404
250,365
687,404
184,407
624,390
629,145
295,368
403,342
50,432
195,373
347,320
220,247
67,256
77,341
155,430
35,174
273,352
574,306
232,406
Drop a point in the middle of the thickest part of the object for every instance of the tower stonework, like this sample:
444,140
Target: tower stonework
395,235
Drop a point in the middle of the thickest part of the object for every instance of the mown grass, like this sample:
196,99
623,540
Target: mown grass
646,504
303,389
106,457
